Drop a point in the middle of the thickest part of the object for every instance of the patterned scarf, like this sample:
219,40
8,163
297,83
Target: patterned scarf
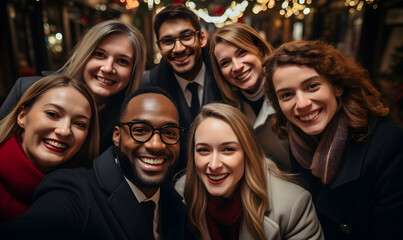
323,159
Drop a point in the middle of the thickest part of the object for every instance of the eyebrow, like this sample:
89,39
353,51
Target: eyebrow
64,110
141,120
182,32
120,55
303,82
224,143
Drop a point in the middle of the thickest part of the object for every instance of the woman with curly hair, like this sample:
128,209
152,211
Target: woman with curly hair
237,55
344,144
232,191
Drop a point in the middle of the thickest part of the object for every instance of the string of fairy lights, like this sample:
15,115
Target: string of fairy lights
288,8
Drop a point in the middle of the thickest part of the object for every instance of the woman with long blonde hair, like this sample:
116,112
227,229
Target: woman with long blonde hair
110,60
54,125
232,191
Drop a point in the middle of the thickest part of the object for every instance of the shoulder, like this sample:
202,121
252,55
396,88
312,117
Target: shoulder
180,185
284,194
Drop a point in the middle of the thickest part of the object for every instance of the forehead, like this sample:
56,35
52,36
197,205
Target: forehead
117,42
174,27
152,107
223,132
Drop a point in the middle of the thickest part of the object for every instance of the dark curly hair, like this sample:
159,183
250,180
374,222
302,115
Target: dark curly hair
360,98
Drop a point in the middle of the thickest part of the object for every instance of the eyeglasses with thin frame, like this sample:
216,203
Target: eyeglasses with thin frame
187,39
142,132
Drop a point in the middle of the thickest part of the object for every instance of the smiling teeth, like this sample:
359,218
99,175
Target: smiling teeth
103,80
309,117
181,58
218,177
243,75
152,161
56,144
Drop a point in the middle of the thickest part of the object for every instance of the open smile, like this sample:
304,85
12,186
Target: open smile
104,81
217,178
309,117
243,75
152,161
54,145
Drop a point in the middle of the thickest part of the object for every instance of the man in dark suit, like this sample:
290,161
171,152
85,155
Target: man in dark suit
185,70
106,202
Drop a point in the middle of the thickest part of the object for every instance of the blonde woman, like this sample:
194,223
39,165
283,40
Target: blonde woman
237,55
54,125
232,191
110,60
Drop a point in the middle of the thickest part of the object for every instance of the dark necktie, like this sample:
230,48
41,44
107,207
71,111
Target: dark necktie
148,209
195,104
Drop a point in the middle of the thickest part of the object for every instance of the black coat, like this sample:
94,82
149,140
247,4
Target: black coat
108,116
95,203
365,200
163,76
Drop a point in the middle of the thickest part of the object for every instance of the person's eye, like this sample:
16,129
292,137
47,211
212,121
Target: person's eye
98,54
224,64
313,86
285,96
242,52
81,124
186,36
171,133
124,62
167,41
140,130
229,149
52,114
202,150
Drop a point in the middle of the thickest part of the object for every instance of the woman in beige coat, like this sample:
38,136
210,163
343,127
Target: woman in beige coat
232,191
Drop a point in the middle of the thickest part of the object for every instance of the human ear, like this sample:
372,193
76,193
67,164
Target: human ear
116,136
203,38
21,117
339,91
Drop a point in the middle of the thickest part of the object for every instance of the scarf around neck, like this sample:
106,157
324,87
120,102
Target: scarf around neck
224,216
323,160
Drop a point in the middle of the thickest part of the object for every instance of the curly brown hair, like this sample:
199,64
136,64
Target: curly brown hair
360,98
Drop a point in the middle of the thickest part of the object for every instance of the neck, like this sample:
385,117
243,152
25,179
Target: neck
191,75
148,192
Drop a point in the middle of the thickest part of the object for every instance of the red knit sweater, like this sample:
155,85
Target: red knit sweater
18,179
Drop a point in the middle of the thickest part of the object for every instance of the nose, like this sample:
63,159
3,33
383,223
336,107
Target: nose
63,128
107,66
155,143
215,162
178,46
303,101
236,66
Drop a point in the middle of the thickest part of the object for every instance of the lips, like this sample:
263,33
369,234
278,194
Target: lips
310,116
152,161
217,178
55,145
243,75
104,80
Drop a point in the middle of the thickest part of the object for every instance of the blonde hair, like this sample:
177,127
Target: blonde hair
253,184
75,65
9,125
244,37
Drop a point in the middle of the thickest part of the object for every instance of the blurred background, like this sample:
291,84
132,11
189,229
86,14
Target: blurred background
38,35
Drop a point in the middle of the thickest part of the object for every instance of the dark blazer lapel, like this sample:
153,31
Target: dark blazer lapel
353,158
172,214
121,198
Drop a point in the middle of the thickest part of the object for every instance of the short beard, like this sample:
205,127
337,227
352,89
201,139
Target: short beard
129,171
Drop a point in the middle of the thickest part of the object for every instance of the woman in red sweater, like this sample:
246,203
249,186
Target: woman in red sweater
54,125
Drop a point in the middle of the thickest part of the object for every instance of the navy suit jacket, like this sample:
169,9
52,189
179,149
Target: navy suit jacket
95,203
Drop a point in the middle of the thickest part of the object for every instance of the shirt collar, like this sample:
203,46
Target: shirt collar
198,79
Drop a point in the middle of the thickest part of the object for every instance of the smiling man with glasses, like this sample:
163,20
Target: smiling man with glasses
127,194
185,69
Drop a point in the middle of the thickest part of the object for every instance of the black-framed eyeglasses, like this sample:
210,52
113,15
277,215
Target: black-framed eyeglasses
142,132
186,39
